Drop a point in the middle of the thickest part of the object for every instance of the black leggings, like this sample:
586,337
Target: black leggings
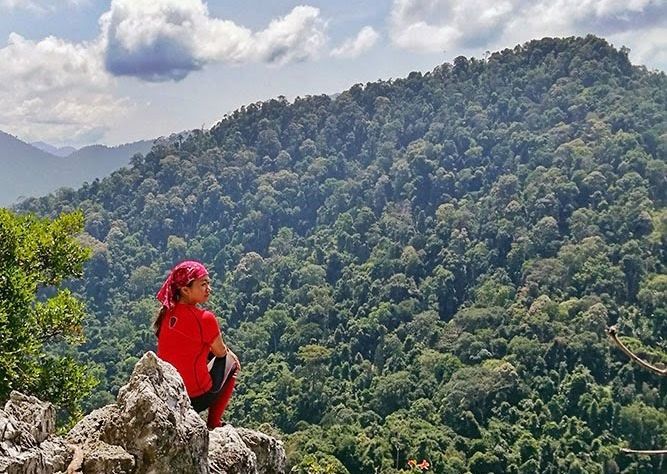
221,372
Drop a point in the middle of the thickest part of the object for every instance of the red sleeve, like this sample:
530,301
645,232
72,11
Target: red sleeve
210,327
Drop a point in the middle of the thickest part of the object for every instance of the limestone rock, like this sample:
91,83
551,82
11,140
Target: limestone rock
228,454
93,426
240,450
97,455
269,451
38,415
151,428
16,435
152,420
26,444
107,458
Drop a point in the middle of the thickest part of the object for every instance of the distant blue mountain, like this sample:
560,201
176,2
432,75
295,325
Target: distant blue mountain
57,151
26,170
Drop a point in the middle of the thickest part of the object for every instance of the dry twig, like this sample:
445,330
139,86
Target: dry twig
612,332
650,452
613,335
76,466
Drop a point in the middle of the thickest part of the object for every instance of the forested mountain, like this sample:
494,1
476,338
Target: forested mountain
420,268
111,155
28,170
20,160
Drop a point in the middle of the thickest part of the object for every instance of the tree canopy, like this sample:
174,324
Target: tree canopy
39,318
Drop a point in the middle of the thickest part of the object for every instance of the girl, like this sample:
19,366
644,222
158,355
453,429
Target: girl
189,338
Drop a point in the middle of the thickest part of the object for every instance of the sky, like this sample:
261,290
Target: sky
77,72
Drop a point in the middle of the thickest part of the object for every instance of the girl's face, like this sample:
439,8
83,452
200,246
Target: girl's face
198,292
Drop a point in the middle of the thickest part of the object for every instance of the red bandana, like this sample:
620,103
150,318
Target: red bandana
181,275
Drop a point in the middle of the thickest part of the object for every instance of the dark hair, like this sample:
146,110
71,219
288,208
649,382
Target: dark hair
163,311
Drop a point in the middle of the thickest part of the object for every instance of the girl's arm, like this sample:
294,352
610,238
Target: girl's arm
218,347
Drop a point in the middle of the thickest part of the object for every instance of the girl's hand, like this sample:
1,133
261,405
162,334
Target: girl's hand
234,358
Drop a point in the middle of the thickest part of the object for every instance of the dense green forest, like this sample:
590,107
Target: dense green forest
420,268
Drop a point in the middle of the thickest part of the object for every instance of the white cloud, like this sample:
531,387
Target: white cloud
437,25
648,47
298,36
21,5
167,39
55,90
39,6
354,47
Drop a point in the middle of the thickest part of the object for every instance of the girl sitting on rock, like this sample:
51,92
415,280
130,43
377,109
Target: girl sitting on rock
189,338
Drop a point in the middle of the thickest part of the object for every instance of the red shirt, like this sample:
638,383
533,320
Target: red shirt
186,335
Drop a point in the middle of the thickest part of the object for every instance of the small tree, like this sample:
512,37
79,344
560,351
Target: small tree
40,320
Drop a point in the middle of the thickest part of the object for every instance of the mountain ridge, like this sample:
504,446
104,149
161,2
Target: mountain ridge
53,150
29,171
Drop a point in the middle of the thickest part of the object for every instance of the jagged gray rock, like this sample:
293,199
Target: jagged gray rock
38,415
269,451
228,454
107,458
152,420
151,428
28,444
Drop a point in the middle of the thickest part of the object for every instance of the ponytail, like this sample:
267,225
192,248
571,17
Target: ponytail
157,323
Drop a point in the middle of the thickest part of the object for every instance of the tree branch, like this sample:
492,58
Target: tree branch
656,452
76,466
612,332
613,335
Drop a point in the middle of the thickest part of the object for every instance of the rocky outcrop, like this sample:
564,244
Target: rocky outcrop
268,450
26,443
151,428
152,421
